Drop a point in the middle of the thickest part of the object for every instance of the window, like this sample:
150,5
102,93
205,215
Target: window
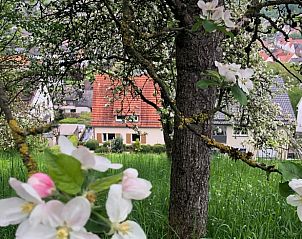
72,110
240,131
135,137
108,136
126,118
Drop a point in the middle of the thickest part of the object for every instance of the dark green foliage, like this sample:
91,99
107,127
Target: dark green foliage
146,148
102,149
92,144
158,148
117,145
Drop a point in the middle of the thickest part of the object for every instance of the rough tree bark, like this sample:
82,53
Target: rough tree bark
195,52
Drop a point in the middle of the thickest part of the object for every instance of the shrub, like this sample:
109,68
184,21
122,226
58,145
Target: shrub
146,148
92,144
107,144
102,149
137,146
128,148
117,145
159,148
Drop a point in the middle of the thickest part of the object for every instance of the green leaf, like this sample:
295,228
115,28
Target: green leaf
239,94
290,170
209,26
197,25
225,31
285,190
98,224
203,84
66,172
103,184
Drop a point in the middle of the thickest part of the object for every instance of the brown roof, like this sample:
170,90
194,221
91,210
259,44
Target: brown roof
125,103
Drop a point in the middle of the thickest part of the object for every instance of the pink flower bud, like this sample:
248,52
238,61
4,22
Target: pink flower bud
134,187
42,183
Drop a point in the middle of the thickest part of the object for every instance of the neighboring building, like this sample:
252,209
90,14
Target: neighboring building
76,101
71,129
115,115
299,119
41,106
224,131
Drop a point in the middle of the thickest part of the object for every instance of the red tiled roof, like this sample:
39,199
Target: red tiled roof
124,103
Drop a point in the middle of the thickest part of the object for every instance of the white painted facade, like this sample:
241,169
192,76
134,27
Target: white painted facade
42,106
299,117
153,135
75,109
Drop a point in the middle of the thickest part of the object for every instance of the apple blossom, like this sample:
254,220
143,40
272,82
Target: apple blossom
42,183
296,199
87,159
229,71
14,210
68,224
118,209
210,11
134,187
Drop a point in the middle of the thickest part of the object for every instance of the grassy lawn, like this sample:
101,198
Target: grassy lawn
243,204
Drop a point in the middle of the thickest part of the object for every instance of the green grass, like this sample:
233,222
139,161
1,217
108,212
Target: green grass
243,204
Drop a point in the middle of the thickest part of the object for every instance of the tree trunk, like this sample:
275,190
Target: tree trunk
195,52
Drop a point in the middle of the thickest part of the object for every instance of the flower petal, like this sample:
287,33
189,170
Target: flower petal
296,185
131,173
83,235
84,156
299,211
27,231
11,211
294,200
25,191
76,213
66,146
103,164
48,214
134,232
117,207
136,188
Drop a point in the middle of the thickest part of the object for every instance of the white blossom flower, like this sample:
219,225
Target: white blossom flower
229,71
118,209
87,159
296,199
244,81
14,210
134,187
69,223
207,7
226,17
210,11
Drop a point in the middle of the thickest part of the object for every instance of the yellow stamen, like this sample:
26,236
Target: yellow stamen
27,207
123,228
62,233
91,196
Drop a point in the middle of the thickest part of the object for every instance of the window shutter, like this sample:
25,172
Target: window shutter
128,138
117,135
143,139
99,137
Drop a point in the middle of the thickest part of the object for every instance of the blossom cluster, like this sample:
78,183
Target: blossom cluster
211,11
40,214
234,74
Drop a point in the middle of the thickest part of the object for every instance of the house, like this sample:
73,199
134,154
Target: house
299,119
76,100
40,105
124,114
226,133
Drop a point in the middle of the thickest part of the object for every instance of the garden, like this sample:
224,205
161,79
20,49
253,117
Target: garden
243,202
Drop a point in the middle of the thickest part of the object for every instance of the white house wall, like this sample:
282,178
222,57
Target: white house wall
154,135
299,117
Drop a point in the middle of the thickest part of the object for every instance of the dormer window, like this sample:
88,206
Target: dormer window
126,118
